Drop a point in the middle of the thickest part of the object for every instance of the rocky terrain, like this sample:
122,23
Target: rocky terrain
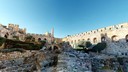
117,48
66,60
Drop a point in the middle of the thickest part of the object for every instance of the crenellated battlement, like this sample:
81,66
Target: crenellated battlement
101,30
15,27
119,31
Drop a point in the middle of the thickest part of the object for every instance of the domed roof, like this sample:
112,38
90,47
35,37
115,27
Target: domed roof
47,33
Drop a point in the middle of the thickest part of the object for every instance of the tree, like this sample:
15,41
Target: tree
28,38
84,44
88,44
43,42
81,44
99,47
33,39
16,37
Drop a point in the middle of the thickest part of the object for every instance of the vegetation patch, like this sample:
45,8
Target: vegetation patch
12,50
2,40
99,47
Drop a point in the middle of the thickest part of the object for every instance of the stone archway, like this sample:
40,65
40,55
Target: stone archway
88,39
39,39
33,39
72,42
94,40
114,38
103,39
45,39
6,35
126,38
56,47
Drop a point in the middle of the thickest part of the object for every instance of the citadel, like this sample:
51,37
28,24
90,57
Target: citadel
13,30
115,36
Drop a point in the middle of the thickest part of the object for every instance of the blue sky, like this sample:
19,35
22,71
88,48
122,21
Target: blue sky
68,17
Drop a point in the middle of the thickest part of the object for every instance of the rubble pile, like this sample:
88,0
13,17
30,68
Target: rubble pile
17,63
109,63
14,55
67,60
14,62
117,48
13,65
73,61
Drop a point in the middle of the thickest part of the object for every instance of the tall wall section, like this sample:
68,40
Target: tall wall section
111,33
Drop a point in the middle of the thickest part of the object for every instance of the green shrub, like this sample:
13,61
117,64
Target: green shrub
16,37
120,60
43,42
105,67
12,50
83,44
2,40
37,47
33,39
99,47
88,44
23,45
119,69
29,38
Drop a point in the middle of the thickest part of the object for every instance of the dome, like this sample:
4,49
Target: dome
47,33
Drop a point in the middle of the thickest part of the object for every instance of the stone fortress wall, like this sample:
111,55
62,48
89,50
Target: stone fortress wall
14,30
15,27
109,34
41,36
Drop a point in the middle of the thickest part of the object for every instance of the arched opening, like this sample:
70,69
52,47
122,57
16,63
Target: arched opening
103,39
78,40
39,39
45,39
74,41
88,39
33,39
55,48
6,35
71,42
95,40
114,38
121,26
110,28
126,38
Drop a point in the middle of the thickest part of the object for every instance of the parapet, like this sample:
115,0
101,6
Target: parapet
100,30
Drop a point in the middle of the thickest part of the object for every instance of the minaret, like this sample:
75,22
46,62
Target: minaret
52,35
52,32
